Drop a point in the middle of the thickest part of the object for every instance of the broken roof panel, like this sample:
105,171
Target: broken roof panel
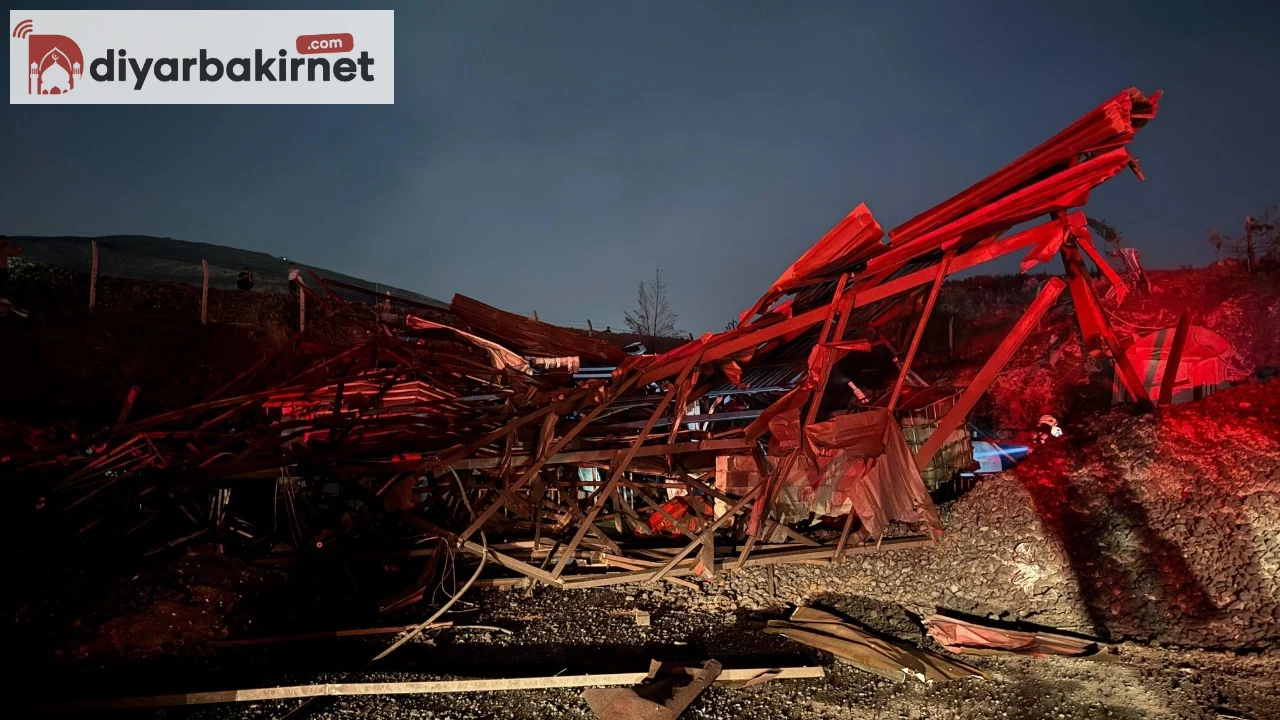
1111,124
533,336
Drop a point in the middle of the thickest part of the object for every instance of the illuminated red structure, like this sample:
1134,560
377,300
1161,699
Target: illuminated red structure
470,430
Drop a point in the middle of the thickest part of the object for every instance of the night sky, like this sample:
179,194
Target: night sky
550,155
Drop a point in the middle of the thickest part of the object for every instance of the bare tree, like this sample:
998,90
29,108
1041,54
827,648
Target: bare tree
731,325
1112,239
652,317
1258,247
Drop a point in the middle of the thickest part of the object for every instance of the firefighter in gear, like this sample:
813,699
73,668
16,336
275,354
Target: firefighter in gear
1048,428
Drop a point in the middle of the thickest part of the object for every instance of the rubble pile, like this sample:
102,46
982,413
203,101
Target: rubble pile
381,430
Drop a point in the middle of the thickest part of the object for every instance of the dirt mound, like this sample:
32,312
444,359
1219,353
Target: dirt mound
1169,522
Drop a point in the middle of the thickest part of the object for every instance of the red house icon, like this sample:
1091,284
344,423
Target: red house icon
55,62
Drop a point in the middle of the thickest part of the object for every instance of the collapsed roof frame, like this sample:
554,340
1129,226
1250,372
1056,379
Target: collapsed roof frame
429,403
1052,180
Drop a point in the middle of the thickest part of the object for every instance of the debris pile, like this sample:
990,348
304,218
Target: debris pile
880,655
402,434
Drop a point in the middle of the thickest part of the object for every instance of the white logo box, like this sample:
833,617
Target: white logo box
77,57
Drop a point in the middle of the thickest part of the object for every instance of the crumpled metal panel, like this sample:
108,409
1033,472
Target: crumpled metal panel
534,337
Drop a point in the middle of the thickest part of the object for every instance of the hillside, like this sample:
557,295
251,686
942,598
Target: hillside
1051,374
143,257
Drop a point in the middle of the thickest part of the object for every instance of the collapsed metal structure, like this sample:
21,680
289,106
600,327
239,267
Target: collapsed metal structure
580,465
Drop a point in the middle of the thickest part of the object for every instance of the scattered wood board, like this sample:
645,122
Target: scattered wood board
294,692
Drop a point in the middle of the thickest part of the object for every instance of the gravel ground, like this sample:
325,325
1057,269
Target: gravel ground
1158,533
571,628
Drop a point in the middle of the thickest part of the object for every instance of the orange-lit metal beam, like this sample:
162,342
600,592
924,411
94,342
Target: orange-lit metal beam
1048,295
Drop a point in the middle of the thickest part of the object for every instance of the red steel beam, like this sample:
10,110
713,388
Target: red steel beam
732,343
979,254
1112,123
915,339
1048,295
1175,357
1094,326
1058,192
1084,241
825,353
1088,312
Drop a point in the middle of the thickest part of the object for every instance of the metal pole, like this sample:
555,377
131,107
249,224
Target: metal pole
93,276
204,294
1248,241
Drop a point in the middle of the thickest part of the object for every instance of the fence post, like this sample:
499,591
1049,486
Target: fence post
93,276
302,309
204,294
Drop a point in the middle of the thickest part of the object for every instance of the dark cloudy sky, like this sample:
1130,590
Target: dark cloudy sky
550,155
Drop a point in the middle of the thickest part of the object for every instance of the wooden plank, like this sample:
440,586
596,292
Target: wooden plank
710,529
1057,190
697,484
682,583
586,456
330,635
509,562
805,554
1042,252
620,467
127,407
599,538
707,555
685,567
583,582
622,507
794,535
537,465
1048,295
427,687
1175,357
779,472
844,536
1128,373
500,433
503,583
915,339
